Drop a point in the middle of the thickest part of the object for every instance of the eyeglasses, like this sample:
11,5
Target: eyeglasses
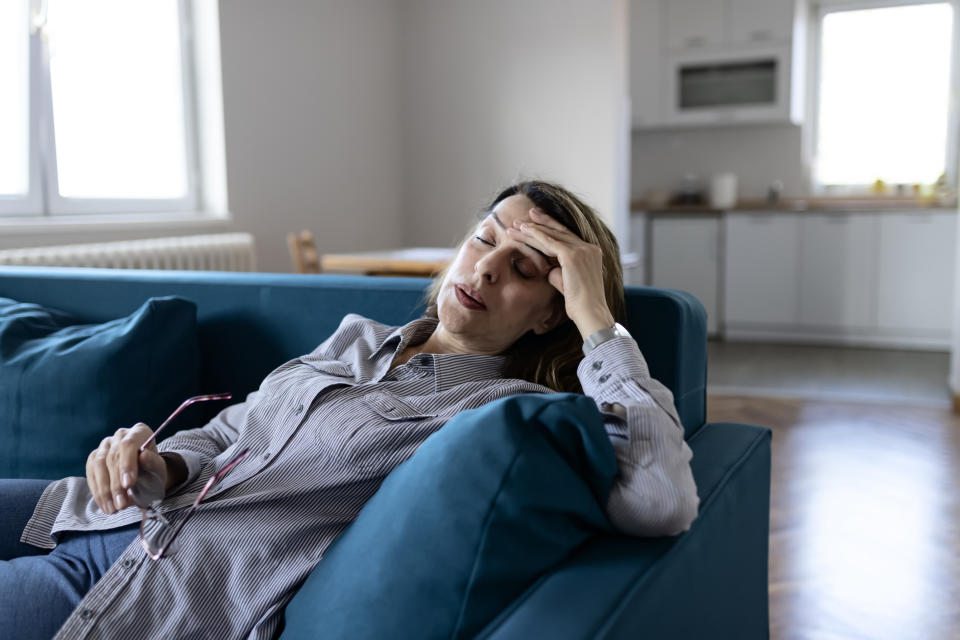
156,532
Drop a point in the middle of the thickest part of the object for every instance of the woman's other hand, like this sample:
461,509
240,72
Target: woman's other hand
579,275
115,466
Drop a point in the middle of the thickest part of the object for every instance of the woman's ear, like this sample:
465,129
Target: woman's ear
557,316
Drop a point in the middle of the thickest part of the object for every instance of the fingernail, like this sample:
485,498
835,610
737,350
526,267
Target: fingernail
126,480
118,500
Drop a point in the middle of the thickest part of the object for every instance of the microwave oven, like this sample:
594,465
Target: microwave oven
733,86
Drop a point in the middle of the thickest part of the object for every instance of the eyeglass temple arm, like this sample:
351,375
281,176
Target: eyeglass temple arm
186,403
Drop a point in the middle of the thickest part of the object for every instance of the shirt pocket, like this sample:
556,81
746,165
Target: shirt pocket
380,430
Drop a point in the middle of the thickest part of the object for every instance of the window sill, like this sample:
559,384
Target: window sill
180,220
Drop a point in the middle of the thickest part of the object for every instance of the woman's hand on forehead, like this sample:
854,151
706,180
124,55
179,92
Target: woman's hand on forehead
578,273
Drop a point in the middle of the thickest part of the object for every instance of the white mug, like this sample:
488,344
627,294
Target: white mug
723,191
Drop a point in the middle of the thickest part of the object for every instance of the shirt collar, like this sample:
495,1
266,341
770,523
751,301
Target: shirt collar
412,333
450,369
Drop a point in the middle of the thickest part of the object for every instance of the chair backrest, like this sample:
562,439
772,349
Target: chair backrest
303,252
250,323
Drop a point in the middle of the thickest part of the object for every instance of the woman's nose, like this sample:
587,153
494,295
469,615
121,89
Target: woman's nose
490,266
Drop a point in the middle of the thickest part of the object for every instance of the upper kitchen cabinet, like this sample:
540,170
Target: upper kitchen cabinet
694,24
760,21
715,62
703,24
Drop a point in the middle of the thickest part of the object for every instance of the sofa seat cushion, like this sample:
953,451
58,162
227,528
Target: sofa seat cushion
65,385
489,503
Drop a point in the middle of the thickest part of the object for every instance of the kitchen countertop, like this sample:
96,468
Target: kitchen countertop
827,205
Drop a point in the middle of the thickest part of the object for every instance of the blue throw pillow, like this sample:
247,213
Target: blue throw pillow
65,385
486,505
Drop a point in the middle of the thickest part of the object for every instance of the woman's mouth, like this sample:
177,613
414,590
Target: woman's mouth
469,301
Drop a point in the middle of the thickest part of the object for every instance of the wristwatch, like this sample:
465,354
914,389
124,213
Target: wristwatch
599,337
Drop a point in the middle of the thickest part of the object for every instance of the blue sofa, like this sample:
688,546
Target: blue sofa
709,582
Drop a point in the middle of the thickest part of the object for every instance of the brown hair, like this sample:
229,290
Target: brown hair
551,359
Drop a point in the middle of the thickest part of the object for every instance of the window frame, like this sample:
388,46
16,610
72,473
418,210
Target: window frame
43,199
818,10
31,203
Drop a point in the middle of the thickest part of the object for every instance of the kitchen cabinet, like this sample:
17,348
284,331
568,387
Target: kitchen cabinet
838,262
636,275
685,255
760,21
698,24
916,273
761,266
694,24
879,279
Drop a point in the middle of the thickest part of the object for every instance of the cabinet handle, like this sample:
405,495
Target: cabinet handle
761,35
696,41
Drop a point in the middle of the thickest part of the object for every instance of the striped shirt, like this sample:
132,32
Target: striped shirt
323,431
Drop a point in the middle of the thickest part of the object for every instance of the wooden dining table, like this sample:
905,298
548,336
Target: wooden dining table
423,262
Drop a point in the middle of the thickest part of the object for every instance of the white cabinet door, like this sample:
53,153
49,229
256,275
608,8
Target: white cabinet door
636,274
760,21
761,270
693,24
916,272
685,256
838,262
645,62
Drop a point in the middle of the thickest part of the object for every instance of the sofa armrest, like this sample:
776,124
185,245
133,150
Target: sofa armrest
710,581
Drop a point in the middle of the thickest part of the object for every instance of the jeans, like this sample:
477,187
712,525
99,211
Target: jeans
39,589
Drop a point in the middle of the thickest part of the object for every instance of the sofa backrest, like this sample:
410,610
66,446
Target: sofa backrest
251,323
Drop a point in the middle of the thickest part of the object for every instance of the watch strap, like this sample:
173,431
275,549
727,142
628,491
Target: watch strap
597,338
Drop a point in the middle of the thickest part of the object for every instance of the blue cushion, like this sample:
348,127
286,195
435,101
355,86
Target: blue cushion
487,504
65,385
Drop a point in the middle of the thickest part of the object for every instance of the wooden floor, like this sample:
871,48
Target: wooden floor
865,517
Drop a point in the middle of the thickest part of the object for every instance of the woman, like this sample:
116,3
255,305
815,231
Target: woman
536,281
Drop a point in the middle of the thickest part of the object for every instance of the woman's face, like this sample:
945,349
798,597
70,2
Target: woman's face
496,290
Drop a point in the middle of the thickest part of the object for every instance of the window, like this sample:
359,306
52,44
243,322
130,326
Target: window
97,115
882,98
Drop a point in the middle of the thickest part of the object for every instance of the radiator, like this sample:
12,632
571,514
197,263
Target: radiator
216,252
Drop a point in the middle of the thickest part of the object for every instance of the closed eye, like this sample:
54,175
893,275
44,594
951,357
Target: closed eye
523,266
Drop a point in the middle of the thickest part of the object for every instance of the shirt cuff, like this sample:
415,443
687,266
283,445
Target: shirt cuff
193,463
602,371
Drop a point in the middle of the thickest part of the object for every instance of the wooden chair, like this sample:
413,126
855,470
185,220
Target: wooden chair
303,252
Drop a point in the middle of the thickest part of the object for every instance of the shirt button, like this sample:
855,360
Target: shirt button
299,409
266,456
604,378
598,364
126,564
86,614
605,406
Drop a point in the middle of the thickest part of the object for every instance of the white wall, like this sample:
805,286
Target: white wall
757,154
311,114
500,89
